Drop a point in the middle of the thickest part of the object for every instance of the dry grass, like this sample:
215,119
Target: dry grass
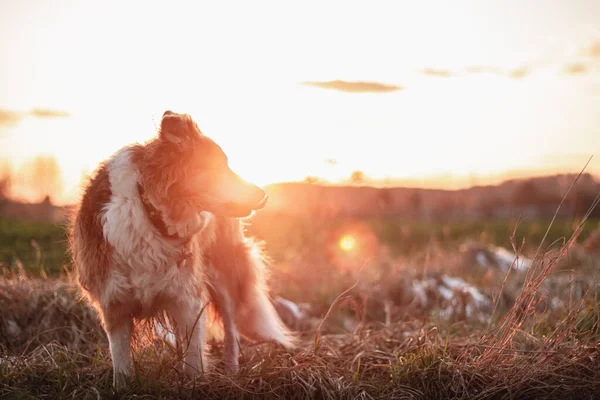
403,361
62,353
542,342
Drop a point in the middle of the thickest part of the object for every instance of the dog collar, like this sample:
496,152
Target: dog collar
155,215
159,223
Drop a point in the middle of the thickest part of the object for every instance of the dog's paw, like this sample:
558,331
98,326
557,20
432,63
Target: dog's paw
195,368
231,364
120,381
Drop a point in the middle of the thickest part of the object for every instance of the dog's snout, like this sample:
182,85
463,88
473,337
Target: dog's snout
259,193
262,202
260,198
244,195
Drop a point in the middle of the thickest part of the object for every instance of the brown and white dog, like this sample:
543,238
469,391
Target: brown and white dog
158,230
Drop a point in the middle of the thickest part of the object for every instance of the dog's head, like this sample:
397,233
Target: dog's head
198,170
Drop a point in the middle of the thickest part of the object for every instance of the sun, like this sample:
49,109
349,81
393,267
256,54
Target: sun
347,243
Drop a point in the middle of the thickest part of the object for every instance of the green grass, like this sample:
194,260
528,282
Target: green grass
39,246
18,239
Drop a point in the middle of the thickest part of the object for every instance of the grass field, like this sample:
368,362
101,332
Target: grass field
392,309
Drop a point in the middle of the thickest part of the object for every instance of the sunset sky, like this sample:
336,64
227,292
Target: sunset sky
438,94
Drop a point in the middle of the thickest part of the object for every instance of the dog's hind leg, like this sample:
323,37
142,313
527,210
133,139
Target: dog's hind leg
189,320
118,326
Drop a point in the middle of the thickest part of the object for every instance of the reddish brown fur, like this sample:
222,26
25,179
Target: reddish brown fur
165,167
158,172
92,254
240,263
230,255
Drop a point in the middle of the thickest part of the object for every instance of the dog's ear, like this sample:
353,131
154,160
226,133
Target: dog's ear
173,127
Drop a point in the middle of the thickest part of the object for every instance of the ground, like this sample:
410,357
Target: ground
388,309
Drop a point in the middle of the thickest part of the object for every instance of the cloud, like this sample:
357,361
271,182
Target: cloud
354,87
576,68
48,113
481,69
11,117
519,73
516,73
443,73
593,50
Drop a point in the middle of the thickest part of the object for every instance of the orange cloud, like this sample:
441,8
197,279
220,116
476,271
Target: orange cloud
482,69
516,73
8,117
593,50
48,113
437,72
11,117
354,87
519,73
577,68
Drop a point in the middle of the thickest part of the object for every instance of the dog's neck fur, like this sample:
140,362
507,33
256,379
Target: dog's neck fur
172,219
155,216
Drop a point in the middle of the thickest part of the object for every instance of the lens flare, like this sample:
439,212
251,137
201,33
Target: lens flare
350,244
347,242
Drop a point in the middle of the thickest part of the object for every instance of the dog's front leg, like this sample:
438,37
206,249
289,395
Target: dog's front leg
119,338
231,351
189,321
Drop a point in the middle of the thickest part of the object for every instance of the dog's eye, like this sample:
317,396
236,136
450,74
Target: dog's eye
210,164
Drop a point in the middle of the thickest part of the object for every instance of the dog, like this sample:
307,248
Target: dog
159,229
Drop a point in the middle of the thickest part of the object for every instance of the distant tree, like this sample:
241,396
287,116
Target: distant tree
526,194
415,202
442,209
43,175
331,162
384,199
311,180
357,177
583,201
5,178
4,189
486,206
4,186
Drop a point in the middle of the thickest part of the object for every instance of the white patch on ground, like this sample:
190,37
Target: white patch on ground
507,258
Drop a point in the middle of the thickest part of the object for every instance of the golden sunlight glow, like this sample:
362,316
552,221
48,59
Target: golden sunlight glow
466,104
347,242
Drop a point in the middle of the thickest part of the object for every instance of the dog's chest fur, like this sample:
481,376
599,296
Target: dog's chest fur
148,267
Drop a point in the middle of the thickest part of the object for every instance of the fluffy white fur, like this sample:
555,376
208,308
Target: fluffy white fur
146,269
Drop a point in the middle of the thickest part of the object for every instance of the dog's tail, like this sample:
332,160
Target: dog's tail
256,317
258,320
239,268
